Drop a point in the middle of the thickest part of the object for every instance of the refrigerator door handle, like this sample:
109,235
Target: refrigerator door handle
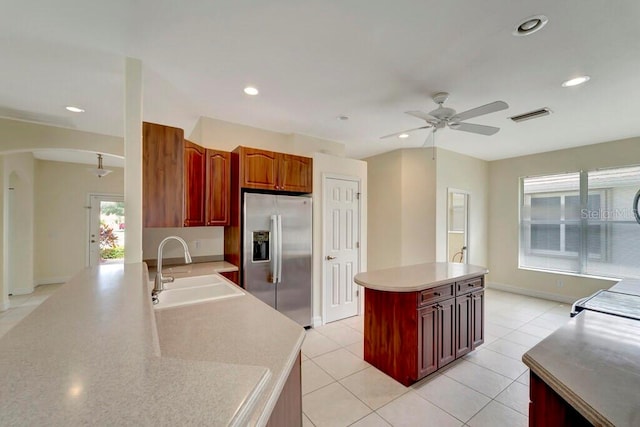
279,254
273,264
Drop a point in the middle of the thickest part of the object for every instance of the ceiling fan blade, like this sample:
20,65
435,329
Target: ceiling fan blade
404,131
471,127
422,115
479,111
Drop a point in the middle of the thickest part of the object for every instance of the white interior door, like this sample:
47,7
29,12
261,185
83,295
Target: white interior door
342,247
102,208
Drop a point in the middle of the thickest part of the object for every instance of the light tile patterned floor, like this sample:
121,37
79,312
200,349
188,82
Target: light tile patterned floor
488,387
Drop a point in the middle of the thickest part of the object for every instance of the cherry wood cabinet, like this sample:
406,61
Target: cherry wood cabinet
218,187
409,335
207,186
469,317
548,409
195,160
288,409
436,343
257,169
268,170
162,175
184,184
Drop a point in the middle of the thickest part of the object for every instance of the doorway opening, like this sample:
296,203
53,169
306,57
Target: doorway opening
457,226
106,229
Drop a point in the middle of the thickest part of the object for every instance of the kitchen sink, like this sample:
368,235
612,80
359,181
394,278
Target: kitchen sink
190,282
192,290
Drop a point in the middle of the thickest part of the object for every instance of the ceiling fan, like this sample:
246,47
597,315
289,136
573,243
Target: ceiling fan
443,117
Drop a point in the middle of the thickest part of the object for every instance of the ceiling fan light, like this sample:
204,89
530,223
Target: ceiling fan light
403,135
100,171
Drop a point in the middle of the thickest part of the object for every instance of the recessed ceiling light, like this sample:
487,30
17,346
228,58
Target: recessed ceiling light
403,135
530,25
575,82
250,90
74,109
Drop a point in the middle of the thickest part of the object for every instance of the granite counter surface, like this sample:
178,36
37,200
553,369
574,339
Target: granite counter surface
593,363
90,354
417,277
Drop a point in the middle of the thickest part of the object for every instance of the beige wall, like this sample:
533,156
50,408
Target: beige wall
471,175
18,213
384,213
17,136
503,214
402,211
328,165
61,218
227,136
202,241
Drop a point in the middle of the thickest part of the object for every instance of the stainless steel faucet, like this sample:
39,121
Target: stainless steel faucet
158,285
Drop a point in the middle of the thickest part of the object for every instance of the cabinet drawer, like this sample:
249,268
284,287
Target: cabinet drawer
435,294
469,285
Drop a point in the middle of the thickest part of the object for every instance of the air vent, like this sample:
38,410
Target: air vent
531,115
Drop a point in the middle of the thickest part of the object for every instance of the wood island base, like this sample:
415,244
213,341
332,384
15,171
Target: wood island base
409,335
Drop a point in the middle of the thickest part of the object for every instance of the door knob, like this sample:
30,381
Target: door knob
329,257
93,241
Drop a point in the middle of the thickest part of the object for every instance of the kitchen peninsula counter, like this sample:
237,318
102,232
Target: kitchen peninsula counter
93,354
419,318
593,365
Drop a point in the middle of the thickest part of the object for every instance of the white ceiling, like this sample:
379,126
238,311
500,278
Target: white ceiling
316,60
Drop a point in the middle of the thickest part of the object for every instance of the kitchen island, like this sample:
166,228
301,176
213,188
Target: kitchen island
588,371
93,354
421,317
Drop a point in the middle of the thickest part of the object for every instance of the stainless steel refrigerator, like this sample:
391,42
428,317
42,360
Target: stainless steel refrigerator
276,253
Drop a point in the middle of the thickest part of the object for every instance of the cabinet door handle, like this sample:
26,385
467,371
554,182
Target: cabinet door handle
329,257
471,285
437,294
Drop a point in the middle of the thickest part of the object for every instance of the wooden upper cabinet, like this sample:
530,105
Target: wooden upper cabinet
296,173
162,175
195,160
267,170
218,187
259,169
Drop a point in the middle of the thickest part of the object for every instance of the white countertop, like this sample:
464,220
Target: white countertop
90,354
593,363
417,277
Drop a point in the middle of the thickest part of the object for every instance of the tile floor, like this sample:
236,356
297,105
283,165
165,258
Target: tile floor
488,387
22,305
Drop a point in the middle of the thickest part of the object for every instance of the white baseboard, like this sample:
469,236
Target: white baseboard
5,306
52,280
531,293
21,291
316,321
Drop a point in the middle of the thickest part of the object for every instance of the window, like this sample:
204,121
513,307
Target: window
581,223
